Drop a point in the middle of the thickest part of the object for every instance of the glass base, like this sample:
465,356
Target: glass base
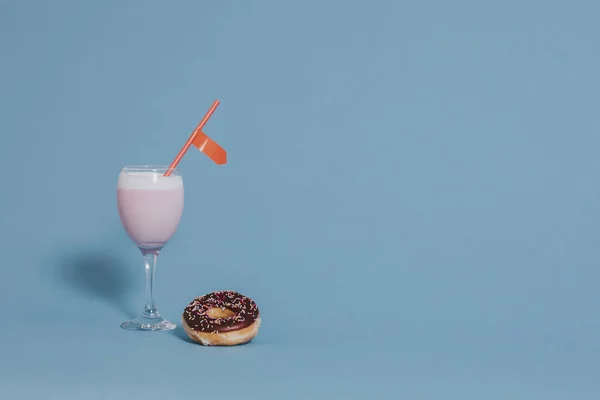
148,322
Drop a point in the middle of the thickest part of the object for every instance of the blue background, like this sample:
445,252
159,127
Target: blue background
411,197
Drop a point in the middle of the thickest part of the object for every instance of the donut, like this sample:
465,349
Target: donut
224,318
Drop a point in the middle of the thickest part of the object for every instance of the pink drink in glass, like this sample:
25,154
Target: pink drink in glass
150,206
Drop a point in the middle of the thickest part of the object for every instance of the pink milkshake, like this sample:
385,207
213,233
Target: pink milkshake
150,206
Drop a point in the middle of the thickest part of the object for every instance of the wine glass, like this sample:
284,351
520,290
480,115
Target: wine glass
150,203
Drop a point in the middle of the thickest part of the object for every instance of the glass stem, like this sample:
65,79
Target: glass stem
150,257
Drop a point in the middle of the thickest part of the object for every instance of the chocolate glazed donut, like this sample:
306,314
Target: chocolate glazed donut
224,318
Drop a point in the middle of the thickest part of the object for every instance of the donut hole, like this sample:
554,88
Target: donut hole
219,313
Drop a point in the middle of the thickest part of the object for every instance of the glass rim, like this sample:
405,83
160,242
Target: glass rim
149,167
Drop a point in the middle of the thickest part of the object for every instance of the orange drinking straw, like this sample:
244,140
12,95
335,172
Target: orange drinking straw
189,142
